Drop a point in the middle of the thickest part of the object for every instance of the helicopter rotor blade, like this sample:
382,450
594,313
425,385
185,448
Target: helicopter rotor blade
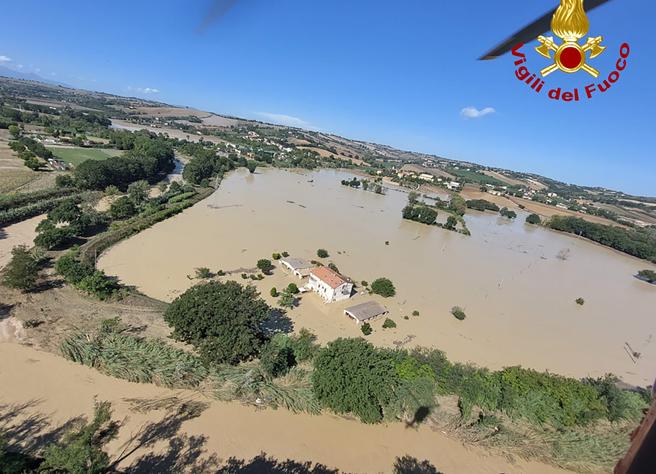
532,31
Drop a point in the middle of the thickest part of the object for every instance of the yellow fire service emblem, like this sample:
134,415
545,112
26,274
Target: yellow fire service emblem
570,23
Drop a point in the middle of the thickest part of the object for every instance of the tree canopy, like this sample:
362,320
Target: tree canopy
223,321
383,287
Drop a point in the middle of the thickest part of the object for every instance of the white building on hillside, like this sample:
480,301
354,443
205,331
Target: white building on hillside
330,285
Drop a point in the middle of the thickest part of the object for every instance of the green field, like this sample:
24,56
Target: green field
76,155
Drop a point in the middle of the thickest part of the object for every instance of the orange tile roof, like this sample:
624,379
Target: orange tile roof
328,276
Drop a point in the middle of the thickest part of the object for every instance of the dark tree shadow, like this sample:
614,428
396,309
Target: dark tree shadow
29,433
278,321
3,234
410,465
5,309
264,464
420,416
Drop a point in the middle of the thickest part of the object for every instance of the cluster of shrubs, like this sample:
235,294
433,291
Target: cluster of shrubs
505,212
84,277
420,213
482,205
65,222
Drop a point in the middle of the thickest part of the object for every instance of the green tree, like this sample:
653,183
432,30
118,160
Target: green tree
287,300
274,292
122,208
251,165
366,329
202,273
389,323
138,192
383,287
505,212
81,450
322,253
223,321
265,265
64,181
292,288
15,131
351,376
648,275
22,270
533,219
458,313
278,356
451,223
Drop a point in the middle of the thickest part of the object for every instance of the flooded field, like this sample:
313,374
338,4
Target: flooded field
517,283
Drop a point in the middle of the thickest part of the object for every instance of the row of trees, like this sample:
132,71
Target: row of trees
149,157
420,213
640,243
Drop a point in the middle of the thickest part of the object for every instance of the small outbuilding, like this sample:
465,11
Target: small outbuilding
365,311
297,266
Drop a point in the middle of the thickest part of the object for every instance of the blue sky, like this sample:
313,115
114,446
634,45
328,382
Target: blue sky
397,73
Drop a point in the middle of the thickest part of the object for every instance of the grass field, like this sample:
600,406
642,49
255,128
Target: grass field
76,155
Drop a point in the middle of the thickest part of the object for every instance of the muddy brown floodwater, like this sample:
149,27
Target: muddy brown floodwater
517,283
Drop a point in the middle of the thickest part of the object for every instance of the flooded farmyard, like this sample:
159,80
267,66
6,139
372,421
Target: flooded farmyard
517,283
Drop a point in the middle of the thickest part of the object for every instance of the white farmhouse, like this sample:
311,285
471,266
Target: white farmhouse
330,285
426,177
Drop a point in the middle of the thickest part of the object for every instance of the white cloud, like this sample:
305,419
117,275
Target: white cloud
474,113
144,90
282,119
19,66
4,59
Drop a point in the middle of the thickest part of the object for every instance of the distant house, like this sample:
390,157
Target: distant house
297,266
366,311
426,177
330,285
453,185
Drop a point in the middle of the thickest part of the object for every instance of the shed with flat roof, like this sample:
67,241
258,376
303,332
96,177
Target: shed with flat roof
365,311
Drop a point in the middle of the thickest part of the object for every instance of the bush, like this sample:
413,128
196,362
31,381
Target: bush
389,323
122,208
580,301
505,212
333,267
265,265
351,376
648,275
99,285
533,219
203,273
364,283
458,313
287,300
223,321
383,287
275,256
322,253
274,292
81,449
366,329
285,254
64,181
293,289
72,269
278,356
415,313
22,270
